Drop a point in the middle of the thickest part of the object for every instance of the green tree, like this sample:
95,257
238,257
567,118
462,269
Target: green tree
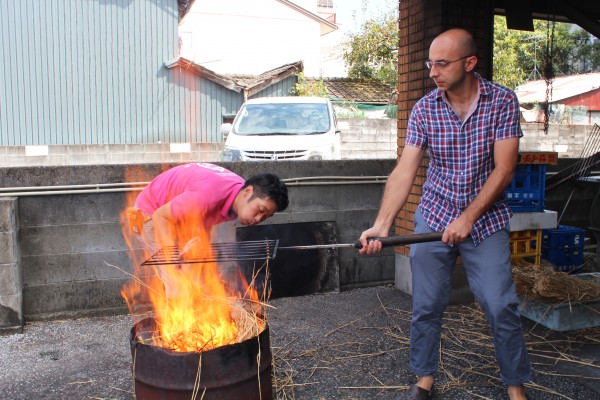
309,88
521,56
371,53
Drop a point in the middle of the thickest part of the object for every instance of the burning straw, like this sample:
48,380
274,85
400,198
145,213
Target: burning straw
247,315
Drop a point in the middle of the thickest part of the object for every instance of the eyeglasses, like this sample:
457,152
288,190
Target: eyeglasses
442,64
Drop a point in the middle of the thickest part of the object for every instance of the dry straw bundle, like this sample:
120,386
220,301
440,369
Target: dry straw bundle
543,281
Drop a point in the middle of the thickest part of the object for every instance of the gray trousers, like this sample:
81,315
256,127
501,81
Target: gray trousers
488,268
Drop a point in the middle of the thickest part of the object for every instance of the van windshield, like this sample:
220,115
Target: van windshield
282,119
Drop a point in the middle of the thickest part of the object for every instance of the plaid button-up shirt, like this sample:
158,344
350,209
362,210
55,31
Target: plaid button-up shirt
462,154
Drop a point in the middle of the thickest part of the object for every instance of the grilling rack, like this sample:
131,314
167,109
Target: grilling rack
220,252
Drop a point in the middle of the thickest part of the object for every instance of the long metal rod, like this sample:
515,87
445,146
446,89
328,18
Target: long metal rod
397,240
318,246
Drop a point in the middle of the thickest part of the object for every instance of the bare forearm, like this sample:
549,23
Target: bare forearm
163,232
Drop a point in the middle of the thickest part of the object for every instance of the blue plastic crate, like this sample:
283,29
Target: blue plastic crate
563,247
527,189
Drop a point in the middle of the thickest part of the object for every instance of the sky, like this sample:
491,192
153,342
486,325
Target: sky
351,14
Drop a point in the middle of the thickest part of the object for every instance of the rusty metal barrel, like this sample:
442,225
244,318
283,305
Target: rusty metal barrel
232,372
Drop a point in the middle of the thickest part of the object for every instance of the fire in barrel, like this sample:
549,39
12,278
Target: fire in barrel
206,337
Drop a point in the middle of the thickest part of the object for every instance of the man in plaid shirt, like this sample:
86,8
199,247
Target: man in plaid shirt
470,128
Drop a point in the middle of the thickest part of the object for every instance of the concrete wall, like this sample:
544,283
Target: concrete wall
366,139
11,279
569,141
73,259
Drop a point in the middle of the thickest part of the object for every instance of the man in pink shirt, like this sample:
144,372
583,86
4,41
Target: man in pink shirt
183,203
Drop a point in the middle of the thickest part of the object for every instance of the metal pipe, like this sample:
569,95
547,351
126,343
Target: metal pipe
71,187
138,186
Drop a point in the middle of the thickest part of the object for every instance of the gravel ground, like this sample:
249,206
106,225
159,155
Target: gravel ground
349,345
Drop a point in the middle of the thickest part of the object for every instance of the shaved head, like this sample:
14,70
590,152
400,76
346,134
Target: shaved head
457,40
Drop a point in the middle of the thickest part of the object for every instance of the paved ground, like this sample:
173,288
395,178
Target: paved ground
350,345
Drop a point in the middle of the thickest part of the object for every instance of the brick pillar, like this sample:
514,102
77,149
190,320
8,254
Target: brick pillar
11,277
419,22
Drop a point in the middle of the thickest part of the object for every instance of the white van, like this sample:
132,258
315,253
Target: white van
283,128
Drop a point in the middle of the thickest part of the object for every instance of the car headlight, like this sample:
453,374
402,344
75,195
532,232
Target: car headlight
231,154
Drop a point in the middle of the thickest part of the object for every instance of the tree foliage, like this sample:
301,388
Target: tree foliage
309,88
521,56
371,53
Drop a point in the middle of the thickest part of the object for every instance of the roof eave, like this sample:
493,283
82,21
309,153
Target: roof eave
199,70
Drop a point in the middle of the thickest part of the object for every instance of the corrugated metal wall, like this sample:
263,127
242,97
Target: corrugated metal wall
92,72
282,88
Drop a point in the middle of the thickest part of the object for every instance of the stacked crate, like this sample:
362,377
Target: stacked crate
526,194
527,189
524,245
563,247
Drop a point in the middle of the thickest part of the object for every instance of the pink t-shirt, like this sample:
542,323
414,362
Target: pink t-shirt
199,190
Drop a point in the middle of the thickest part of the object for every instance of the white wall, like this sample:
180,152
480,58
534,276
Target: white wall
249,36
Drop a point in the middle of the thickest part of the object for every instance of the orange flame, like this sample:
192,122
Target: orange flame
204,310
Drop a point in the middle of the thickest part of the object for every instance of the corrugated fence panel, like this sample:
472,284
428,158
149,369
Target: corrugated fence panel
7,125
282,88
217,102
92,72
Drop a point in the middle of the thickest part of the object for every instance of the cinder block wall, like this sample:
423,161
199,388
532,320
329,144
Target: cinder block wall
73,259
11,279
366,139
369,138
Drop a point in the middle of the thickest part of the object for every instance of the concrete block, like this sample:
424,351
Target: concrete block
354,146
97,158
354,222
403,274
58,159
149,148
11,311
92,237
117,148
8,214
279,218
95,148
352,155
68,297
16,161
533,220
116,157
79,158
11,279
9,247
15,150
76,209
366,271
312,216
59,149
55,268
137,158
36,160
